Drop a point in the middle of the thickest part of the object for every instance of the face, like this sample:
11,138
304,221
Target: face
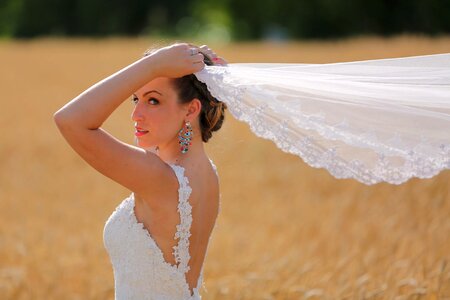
156,109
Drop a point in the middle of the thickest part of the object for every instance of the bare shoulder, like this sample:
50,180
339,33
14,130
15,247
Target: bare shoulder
138,170
161,170
156,195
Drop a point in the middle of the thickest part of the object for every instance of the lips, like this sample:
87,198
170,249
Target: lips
140,131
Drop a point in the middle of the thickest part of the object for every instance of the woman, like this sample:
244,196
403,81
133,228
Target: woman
157,238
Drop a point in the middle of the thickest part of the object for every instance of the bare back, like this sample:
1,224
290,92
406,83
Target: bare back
161,220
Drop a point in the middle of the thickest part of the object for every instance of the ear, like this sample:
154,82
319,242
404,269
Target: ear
194,109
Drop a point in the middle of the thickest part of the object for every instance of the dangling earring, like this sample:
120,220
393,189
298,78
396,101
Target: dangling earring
185,135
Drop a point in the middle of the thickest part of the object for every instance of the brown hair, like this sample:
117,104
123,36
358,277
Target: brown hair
212,112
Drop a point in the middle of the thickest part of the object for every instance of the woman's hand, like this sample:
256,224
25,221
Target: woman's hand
216,60
177,60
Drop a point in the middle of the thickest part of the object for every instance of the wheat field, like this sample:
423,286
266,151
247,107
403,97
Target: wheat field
286,230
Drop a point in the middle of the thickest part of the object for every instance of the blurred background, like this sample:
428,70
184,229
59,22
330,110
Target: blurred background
223,20
286,230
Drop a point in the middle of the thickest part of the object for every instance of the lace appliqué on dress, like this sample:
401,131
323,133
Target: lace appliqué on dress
181,250
140,270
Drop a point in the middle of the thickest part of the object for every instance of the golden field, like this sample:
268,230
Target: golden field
286,230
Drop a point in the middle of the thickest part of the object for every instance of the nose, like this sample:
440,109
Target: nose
137,115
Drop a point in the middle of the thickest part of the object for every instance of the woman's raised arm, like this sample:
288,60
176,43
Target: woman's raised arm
93,106
80,119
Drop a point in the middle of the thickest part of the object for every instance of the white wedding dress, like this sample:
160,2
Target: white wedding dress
140,270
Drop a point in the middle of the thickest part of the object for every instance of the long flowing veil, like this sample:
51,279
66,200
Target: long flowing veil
383,120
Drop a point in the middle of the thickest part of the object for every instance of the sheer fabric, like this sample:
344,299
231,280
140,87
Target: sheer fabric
384,120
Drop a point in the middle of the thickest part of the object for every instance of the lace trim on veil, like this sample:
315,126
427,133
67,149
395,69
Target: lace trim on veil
317,125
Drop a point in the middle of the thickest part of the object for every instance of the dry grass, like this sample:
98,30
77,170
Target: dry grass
286,231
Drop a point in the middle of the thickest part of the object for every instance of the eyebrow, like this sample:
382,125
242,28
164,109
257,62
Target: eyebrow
148,92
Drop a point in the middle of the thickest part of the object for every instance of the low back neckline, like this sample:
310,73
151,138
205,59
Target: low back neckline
181,248
131,246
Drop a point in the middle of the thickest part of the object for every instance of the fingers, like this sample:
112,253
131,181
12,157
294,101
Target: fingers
198,58
208,53
220,61
192,45
198,62
203,49
213,56
198,54
192,51
195,57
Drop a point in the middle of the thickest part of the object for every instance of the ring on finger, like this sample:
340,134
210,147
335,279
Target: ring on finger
194,51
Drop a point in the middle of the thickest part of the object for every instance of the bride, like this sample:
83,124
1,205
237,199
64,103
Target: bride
157,238
385,120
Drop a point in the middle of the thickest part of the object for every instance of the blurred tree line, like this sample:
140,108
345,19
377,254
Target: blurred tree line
224,19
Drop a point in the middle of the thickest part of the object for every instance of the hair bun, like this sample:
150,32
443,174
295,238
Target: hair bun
212,112
189,87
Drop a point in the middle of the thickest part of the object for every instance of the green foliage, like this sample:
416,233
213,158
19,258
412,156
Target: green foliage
223,20
334,18
9,11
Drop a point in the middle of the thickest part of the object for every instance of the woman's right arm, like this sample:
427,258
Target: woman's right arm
91,108
79,120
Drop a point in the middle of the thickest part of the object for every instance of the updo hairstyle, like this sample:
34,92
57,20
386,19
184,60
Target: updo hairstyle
189,87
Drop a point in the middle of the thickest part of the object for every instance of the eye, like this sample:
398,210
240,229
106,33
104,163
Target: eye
135,100
153,99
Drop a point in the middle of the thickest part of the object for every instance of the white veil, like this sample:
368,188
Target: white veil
383,120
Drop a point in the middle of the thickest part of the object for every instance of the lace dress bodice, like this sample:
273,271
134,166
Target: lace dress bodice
140,270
